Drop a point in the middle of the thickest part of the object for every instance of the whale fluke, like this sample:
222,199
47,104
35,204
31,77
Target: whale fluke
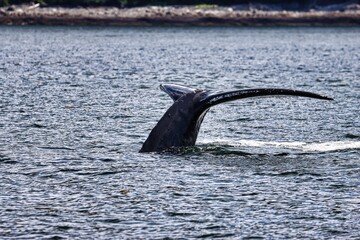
180,124
176,91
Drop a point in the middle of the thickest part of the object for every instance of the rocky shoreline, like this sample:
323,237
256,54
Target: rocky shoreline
176,16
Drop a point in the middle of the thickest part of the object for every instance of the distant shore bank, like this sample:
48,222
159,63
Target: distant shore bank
175,16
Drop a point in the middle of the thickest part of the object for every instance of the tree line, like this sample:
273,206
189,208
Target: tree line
137,3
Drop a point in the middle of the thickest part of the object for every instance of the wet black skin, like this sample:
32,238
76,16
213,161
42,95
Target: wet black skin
179,126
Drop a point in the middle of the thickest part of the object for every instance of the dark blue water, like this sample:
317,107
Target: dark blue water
77,103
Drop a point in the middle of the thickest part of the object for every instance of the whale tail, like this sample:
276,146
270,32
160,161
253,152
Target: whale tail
210,98
214,98
176,91
180,125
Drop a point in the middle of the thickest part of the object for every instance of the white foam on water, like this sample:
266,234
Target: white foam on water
302,146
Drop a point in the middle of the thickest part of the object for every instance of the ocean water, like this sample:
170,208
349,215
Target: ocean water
77,103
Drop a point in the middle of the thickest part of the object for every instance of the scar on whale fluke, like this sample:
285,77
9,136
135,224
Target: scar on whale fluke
180,125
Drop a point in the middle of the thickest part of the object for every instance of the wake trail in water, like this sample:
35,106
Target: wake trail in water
302,146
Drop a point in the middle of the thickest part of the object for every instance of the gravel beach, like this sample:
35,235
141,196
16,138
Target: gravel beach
178,15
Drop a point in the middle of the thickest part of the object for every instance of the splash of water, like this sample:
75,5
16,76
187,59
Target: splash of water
302,146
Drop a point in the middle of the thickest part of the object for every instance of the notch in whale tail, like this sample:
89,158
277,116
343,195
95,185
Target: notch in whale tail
215,98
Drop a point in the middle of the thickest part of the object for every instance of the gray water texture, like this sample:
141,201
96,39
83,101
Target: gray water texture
77,103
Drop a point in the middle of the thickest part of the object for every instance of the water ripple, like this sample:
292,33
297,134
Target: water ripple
77,103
